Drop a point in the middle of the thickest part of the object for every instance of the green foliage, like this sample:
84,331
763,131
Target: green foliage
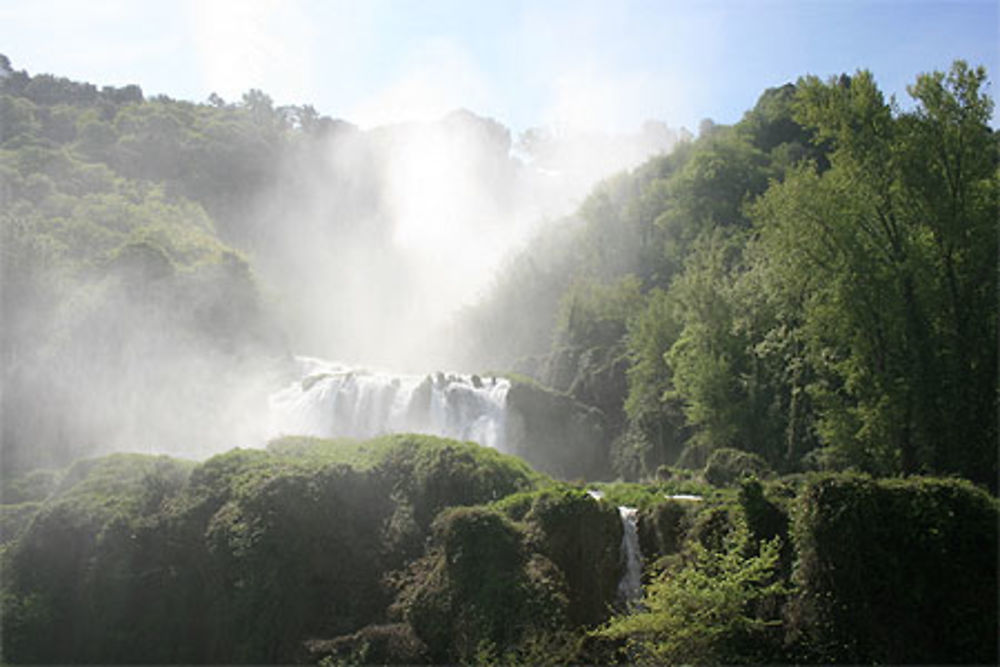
896,571
595,315
479,591
815,285
712,607
588,358
883,278
106,220
581,536
237,559
726,466
83,547
656,432
818,277
14,518
32,486
244,557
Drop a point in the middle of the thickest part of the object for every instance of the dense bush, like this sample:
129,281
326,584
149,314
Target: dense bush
238,559
711,606
896,571
480,590
726,466
581,536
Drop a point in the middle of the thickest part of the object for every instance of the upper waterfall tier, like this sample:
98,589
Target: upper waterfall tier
333,400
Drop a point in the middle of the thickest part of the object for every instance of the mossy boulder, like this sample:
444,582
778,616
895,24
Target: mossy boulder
384,644
664,526
237,559
726,466
480,586
555,433
582,537
81,581
896,571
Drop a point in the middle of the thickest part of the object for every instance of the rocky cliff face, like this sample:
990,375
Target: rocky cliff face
555,433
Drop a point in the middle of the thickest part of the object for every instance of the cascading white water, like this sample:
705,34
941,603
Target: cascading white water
630,585
332,400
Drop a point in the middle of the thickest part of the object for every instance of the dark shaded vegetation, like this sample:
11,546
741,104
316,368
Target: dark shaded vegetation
413,549
831,568
897,571
237,559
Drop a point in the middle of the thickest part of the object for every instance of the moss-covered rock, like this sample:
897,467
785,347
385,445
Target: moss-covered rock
664,526
727,466
238,559
386,644
555,433
896,571
81,581
480,586
581,536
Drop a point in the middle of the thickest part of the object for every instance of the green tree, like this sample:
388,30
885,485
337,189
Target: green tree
892,253
704,610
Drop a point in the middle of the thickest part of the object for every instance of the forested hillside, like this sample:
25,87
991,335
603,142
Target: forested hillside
161,257
815,285
785,330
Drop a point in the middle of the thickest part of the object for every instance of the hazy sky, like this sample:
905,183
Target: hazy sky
595,64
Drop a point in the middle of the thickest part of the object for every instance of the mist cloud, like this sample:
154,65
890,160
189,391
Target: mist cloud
260,44
374,241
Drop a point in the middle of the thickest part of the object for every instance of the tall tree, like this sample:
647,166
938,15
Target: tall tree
897,245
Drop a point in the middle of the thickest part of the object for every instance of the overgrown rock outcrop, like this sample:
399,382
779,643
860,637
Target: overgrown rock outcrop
238,559
555,433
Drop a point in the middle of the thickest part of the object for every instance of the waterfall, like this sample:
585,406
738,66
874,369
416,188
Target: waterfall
630,585
333,400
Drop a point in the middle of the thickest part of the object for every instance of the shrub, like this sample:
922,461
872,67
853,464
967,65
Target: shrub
726,466
896,571
582,538
704,609
33,486
479,589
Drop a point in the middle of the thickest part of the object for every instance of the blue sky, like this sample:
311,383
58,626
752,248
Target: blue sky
585,63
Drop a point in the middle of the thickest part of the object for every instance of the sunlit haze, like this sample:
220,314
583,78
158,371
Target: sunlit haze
464,132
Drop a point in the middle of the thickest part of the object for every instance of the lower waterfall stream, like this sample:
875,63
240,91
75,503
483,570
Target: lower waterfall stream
630,585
